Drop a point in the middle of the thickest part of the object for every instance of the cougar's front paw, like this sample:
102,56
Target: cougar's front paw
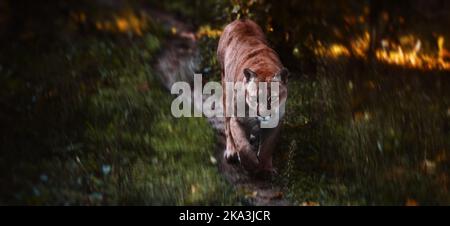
231,156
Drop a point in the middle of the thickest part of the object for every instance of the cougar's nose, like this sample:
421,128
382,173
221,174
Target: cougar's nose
263,118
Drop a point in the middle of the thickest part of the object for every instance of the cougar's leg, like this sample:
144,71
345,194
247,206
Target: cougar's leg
246,155
266,148
230,153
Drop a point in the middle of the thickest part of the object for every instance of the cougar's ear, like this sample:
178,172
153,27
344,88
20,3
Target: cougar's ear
283,75
249,74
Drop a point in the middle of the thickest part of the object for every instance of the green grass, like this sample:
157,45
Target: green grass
381,138
88,123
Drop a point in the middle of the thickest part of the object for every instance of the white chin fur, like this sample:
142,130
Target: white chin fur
263,119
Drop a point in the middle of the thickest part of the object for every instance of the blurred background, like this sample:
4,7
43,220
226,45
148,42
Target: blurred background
85,115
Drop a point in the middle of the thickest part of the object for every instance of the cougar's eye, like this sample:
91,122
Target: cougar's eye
273,98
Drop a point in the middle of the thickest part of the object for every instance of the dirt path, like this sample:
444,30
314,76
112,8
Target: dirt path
177,62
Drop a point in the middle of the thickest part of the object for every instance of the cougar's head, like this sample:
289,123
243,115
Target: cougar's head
266,96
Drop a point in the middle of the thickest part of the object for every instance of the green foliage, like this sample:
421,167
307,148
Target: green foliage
364,139
93,126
